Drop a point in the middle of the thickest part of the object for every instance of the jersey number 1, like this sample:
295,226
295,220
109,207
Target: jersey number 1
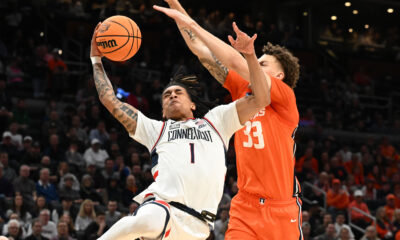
257,133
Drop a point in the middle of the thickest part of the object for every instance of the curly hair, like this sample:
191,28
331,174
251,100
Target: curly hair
191,84
290,63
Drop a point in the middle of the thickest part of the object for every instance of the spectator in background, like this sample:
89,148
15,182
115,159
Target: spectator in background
14,72
345,234
6,188
383,224
129,191
69,220
21,209
337,198
36,231
45,188
337,169
340,224
355,168
24,186
14,230
396,221
32,155
80,132
320,229
40,204
112,215
75,158
66,189
88,191
356,217
67,207
95,155
100,133
21,115
57,73
113,191
16,138
85,216
221,225
138,99
370,234
390,206
329,234
386,149
63,232
96,228
8,155
308,157
54,150
49,229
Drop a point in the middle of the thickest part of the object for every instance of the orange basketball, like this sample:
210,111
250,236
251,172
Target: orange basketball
118,38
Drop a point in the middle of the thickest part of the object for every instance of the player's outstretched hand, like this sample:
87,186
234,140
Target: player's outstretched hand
243,43
94,51
180,18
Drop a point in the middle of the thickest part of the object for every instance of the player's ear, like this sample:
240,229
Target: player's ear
193,107
280,75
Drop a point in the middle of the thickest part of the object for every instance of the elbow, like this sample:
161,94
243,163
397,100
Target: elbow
263,102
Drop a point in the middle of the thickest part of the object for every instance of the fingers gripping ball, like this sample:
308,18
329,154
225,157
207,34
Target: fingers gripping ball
118,38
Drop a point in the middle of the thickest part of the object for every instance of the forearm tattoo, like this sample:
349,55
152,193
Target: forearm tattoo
189,32
123,112
216,68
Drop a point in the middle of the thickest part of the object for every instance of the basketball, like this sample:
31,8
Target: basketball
118,38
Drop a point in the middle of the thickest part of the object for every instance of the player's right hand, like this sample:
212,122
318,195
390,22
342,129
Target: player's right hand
180,18
243,43
94,51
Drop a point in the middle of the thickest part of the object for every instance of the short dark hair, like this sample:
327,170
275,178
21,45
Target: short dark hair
191,84
290,63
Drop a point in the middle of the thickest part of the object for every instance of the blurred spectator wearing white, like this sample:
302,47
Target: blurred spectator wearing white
339,225
370,234
221,225
85,216
14,230
49,229
16,138
95,155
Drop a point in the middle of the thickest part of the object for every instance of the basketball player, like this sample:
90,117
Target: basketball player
267,205
187,151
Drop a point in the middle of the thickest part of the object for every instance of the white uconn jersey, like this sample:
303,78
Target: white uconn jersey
189,157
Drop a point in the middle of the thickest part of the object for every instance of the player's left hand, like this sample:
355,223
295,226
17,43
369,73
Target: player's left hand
243,42
180,18
94,51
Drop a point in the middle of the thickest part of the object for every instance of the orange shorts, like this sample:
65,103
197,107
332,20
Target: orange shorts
255,218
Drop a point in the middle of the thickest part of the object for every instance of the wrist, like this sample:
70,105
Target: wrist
95,59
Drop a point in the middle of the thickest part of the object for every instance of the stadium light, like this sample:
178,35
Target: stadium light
347,4
355,11
366,26
390,10
59,51
333,18
41,34
350,30
305,14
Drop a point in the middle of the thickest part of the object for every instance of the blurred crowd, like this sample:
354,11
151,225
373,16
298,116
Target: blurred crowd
68,169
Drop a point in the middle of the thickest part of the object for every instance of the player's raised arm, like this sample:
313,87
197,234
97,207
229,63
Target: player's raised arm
248,106
123,112
198,48
224,54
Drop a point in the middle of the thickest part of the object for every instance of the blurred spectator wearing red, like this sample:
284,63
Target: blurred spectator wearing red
356,217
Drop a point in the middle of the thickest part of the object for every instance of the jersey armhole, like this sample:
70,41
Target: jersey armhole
159,136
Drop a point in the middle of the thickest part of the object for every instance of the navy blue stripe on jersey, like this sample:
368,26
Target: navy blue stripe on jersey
299,218
212,126
191,152
154,158
159,137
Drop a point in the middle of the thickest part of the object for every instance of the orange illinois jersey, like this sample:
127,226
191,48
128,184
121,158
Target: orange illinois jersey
265,147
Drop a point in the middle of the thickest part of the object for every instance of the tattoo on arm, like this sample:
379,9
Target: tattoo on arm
216,68
123,112
189,32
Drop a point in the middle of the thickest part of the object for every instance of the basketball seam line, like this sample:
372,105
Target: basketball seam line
133,40
124,43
